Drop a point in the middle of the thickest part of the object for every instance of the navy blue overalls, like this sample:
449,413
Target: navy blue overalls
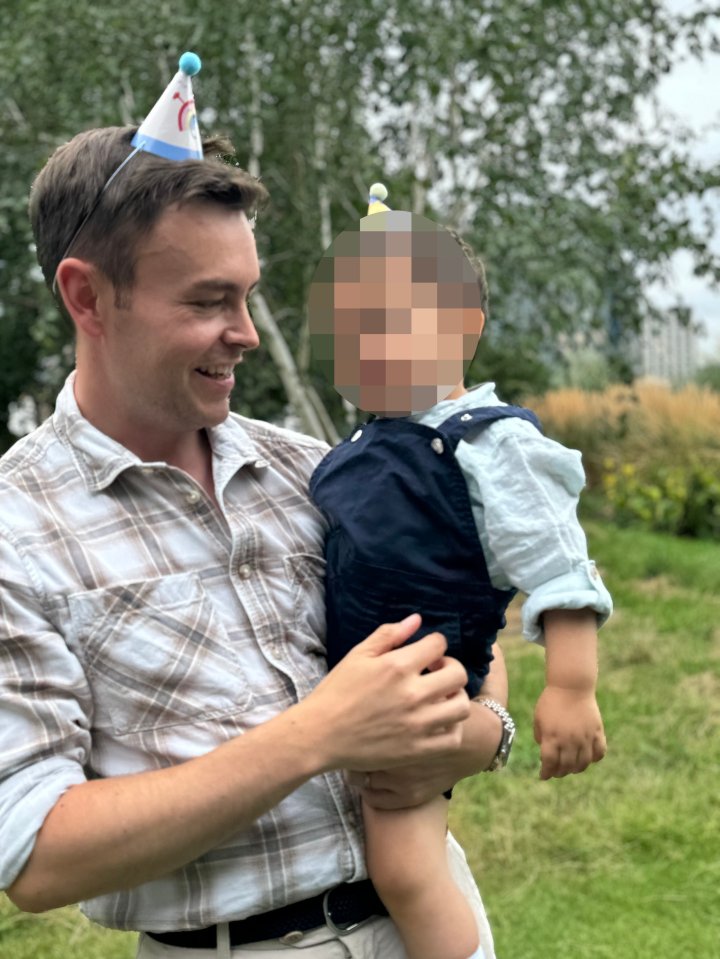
403,539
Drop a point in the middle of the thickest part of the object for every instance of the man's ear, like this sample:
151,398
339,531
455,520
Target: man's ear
81,286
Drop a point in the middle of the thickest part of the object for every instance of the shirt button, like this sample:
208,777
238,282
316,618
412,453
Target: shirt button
245,571
356,436
193,495
260,463
438,445
465,417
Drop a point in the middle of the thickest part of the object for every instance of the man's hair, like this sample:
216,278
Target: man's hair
71,183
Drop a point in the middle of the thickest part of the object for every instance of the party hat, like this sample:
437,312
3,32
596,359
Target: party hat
170,130
378,193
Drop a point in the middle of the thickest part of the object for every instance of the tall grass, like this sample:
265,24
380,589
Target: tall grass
645,422
652,451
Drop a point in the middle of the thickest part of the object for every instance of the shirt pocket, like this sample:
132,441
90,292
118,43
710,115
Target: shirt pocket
306,572
157,654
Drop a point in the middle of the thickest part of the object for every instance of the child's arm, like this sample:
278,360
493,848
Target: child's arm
568,725
495,685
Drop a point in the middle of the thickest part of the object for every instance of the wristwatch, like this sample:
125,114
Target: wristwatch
508,734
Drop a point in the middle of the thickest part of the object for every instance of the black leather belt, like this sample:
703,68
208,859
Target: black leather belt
342,908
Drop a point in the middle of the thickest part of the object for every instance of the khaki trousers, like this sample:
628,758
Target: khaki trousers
376,939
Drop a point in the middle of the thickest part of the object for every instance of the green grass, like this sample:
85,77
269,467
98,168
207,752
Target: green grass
622,862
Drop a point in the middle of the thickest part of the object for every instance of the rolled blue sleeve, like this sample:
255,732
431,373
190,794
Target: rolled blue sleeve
580,589
44,715
524,491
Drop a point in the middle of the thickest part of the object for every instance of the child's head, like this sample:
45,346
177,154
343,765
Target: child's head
396,310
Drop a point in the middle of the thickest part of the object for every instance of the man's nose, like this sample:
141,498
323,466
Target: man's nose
241,330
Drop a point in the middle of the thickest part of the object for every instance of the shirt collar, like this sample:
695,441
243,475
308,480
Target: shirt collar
100,459
481,395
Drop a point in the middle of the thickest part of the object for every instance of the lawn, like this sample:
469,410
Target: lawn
622,862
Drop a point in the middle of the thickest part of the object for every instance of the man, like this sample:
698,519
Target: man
172,751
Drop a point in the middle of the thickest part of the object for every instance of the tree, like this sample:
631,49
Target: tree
516,123
709,376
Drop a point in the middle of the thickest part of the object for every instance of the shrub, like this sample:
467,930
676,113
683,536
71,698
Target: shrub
684,500
653,452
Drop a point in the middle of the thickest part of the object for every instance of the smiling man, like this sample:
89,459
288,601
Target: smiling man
171,747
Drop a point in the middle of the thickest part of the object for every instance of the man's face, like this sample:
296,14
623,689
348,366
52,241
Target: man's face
405,319
169,354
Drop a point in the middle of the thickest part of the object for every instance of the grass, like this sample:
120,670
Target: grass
622,862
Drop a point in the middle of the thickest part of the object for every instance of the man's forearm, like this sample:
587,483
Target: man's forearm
126,830
381,706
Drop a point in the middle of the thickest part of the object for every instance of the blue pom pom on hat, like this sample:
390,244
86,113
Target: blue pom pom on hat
377,193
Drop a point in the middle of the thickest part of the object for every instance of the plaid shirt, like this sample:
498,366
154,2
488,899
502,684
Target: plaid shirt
140,628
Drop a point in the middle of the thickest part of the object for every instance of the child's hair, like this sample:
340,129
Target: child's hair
478,266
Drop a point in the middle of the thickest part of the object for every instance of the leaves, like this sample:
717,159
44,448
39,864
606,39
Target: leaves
517,122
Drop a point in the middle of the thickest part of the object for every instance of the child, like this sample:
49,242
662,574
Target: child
445,505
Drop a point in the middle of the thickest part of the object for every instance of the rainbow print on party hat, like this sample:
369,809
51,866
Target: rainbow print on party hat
170,130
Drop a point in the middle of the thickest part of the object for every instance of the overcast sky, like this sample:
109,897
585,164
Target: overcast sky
692,92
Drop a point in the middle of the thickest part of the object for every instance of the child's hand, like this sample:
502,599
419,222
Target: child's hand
569,729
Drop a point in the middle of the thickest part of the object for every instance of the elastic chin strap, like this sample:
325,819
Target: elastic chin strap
94,207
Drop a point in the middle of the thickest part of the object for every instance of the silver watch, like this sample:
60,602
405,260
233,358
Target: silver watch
508,734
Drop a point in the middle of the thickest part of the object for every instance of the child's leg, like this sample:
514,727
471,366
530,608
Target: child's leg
407,862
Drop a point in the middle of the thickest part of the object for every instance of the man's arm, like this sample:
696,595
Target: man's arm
377,708
419,782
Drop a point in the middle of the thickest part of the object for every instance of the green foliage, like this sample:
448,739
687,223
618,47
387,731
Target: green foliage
514,122
651,453
709,376
684,500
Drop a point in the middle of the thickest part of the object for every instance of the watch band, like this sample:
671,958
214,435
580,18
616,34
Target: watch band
508,734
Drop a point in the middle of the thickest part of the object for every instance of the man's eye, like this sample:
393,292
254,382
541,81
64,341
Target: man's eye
208,304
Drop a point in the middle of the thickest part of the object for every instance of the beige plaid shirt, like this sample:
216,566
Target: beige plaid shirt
139,628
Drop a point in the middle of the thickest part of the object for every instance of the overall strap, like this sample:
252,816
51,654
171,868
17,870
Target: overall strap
455,427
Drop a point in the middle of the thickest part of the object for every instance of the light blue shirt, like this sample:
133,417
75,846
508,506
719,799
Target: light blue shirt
524,490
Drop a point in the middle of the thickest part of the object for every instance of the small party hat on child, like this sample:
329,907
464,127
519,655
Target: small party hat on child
170,130
378,193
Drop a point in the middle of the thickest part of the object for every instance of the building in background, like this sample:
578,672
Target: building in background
667,351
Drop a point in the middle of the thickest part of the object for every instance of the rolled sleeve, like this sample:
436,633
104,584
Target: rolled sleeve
25,801
582,588
44,715
524,490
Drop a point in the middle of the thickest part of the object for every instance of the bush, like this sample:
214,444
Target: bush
684,500
652,452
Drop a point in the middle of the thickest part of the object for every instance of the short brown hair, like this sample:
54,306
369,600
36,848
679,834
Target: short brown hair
478,266
70,184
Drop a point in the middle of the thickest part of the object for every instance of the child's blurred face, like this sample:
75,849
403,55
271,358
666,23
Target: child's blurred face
405,318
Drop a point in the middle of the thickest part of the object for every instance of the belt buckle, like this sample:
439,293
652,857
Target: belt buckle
339,930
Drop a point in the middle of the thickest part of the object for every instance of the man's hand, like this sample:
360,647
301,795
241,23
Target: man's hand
378,707
569,729
417,783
